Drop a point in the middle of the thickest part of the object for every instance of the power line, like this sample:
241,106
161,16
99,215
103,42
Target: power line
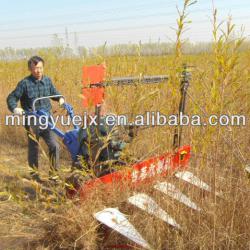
112,29
89,31
90,11
92,22
107,20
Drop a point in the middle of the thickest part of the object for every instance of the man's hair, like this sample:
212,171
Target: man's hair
35,60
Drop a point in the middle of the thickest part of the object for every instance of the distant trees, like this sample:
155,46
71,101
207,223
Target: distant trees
130,49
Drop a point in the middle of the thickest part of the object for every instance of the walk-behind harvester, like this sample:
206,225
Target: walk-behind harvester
79,141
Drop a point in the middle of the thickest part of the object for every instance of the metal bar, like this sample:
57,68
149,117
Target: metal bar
183,89
41,98
131,80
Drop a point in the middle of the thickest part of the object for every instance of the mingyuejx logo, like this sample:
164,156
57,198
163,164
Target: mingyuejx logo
146,119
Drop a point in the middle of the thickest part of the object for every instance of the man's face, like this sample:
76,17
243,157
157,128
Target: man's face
37,70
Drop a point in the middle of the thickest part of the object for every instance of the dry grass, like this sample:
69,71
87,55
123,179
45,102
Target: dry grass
220,85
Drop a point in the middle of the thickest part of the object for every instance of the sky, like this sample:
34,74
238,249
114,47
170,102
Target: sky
90,23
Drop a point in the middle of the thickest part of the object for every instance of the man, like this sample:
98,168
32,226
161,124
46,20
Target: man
31,87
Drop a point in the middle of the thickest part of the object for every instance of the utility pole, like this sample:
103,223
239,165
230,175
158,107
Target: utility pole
66,37
76,43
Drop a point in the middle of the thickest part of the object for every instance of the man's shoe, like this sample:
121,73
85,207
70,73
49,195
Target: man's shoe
55,179
35,176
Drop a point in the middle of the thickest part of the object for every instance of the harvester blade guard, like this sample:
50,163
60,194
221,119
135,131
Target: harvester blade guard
170,190
147,204
247,169
116,220
192,179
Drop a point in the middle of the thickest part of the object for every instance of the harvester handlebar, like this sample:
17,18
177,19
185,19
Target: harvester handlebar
66,106
41,98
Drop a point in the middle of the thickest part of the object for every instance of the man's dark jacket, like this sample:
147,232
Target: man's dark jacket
29,89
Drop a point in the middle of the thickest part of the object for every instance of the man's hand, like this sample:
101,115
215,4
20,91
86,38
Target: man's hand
61,102
18,111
